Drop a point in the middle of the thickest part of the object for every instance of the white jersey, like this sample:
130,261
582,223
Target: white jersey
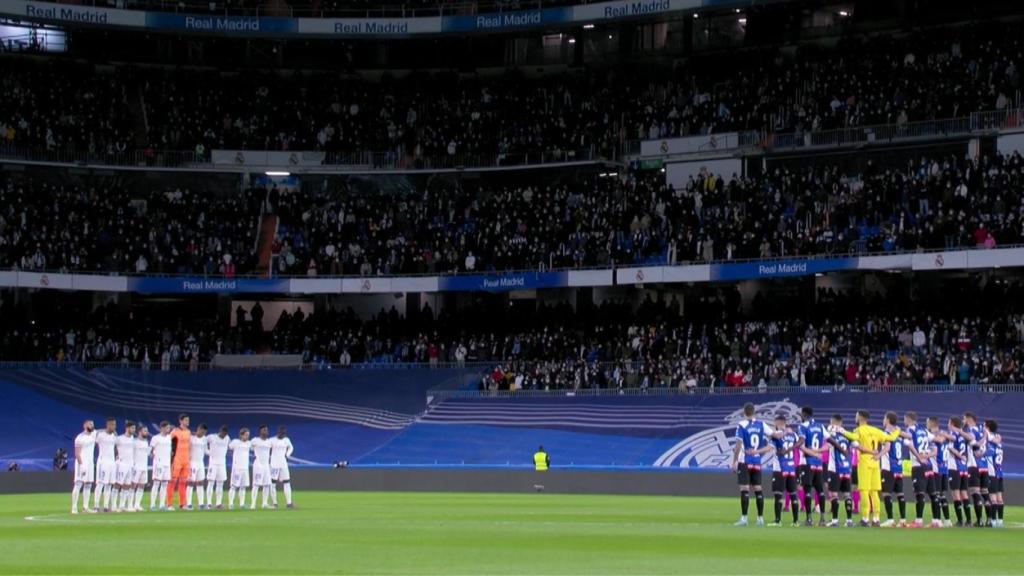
141,453
106,443
239,454
86,445
280,450
161,450
197,451
261,448
218,449
126,450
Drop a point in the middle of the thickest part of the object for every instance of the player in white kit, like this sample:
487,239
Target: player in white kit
261,467
161,446
85,469
140,470
239,468
280,450
125,470
197,468
217,472
106,465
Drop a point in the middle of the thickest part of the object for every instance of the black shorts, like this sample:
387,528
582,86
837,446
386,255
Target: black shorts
742,474
853,477
783,482
941,482
957,481
973,479
984,481
995,485
748,475
838,483
922,480
812,478
892,483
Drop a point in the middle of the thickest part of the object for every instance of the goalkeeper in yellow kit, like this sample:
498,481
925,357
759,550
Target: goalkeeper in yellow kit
869,443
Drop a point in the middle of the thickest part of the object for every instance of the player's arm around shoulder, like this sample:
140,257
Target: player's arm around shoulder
890,435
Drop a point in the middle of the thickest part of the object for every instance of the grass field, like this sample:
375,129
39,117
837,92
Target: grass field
407,533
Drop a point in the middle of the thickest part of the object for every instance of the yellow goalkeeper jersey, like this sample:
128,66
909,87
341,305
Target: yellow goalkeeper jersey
870,438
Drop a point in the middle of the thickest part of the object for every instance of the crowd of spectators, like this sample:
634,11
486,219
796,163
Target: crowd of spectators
63,106
925,75
842,338
930,203
105,224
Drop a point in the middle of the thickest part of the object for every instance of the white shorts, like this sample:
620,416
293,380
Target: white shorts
197,474
240,478
106,472
140,475
125,473
280,474
217,474
162,473
85,473
261,476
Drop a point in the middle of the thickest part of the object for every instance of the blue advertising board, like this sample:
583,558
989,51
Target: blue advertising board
188,285
503,282
222,24
780,268
506,20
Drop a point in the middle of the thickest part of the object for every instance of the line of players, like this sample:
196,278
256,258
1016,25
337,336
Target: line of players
964,460
120,472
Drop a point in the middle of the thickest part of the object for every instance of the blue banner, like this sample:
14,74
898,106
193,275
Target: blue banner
503,282
780,268
207,285
222,24
507,20
692,432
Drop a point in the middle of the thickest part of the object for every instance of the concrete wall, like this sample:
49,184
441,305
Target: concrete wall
667,483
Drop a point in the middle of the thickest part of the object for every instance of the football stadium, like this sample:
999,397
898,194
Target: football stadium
511,286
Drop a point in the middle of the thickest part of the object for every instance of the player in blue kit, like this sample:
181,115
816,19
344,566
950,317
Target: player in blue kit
752,441
919,442
785,443
957,450
893,455
994,454
839,473
814,438
977,465
940,469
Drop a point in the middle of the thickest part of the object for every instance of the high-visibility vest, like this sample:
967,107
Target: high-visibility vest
540,461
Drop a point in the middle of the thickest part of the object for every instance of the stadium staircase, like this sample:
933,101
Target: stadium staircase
265,243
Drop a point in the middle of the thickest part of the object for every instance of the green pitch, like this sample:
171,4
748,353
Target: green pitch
389,533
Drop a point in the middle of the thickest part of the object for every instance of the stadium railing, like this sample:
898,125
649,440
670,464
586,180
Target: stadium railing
485,366
853,249
157,366
394,161
334,162
435,395
987,121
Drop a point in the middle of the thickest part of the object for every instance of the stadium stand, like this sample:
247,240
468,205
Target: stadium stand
940,202
106,168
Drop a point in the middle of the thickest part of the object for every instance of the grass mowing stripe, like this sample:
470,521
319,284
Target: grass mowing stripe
442,533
